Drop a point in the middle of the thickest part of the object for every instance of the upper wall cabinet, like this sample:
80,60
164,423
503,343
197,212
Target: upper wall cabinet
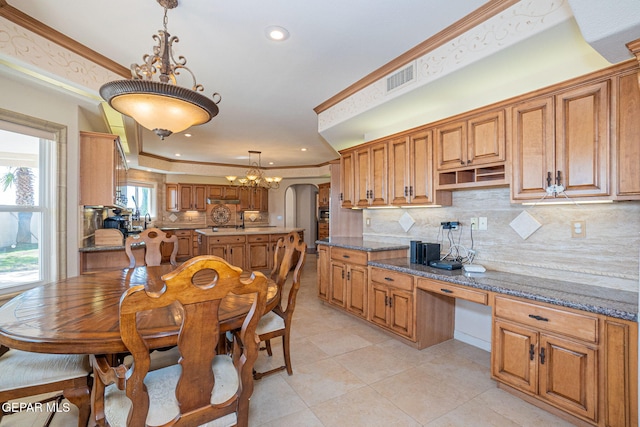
371,171
346,180
627,146
562,140
411,174
324,194
471,151
103,170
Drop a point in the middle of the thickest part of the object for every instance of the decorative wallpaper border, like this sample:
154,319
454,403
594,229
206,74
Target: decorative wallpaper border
507,28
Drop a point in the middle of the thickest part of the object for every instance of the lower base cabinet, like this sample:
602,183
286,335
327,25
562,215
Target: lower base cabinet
391,301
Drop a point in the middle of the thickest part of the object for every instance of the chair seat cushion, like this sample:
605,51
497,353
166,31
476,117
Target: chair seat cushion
22,368
269,322
163,406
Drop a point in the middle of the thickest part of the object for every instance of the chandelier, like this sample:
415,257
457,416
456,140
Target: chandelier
255,178
161,106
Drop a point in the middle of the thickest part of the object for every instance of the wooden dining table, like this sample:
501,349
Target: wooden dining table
79,315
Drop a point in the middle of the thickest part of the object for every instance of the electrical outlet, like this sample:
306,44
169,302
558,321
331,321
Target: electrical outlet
368,222
578,229
474,223
482,223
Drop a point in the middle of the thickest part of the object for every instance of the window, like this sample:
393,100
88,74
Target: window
27,207
142,197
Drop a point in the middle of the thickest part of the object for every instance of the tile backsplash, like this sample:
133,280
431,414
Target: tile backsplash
607,256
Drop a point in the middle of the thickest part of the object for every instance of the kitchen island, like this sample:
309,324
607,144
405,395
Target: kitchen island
249,248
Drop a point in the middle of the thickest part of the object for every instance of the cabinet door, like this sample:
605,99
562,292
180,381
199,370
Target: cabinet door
346,180
378,175
568,376
582,140
357,290
172,203
378,304
451,145
199,202
259,256
486,143
245,199
263,203
215,191
401,305
232,193
184,247
421,181
532,148
361,177
513,355
185,195
628,129
399,171
338,290
235,255
218,250
324,266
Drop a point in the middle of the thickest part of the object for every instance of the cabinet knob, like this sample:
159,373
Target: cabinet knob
462,162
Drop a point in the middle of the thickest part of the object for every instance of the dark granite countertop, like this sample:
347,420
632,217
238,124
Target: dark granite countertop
358,244
594,299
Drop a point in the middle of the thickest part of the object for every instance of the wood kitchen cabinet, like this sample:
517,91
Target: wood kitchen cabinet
185,246
254,199
259,251
627,148
562,140
324,267
324,193
391,301
172,202
471,152
349,278
371,171
223,192
411,172
346,180
229,248
549,353
103,169
192,197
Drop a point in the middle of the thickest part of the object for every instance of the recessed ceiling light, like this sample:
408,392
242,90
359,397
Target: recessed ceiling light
277,33
188,135
303,149
270,163
178,154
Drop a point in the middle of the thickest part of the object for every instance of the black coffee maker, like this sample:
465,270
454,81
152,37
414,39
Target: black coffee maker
116,221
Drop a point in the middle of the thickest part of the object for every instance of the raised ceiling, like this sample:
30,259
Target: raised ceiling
269,89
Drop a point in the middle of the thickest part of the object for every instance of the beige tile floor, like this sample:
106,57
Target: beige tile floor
347,373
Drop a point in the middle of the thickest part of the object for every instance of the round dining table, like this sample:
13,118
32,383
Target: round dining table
80,314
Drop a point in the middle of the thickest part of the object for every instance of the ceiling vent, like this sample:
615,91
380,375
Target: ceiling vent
401,78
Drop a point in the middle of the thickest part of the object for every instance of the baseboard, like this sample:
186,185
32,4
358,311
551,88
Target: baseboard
471,340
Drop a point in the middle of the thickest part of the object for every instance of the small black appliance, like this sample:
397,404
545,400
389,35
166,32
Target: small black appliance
430,252
415,251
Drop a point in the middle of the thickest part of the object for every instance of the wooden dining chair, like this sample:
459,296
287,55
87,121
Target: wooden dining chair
152,239
277,323
205,385
25,374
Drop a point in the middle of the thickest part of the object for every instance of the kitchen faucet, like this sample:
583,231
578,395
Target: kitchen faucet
147,220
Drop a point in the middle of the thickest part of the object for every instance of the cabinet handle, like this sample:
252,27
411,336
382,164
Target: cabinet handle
468,162
348,275
446,291
340,196
542,356
548,179
389,279
346,256
343,274
406,191
411,190
535,316
532,351
558,178
386,300
390,302
462,162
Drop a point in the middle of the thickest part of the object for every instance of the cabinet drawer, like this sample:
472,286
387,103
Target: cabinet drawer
453,291
253,238
276,237
349,256
581,326
391,278
182,233
227,239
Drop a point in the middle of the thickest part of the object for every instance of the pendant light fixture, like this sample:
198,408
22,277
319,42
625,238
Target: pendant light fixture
254,178
161,105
